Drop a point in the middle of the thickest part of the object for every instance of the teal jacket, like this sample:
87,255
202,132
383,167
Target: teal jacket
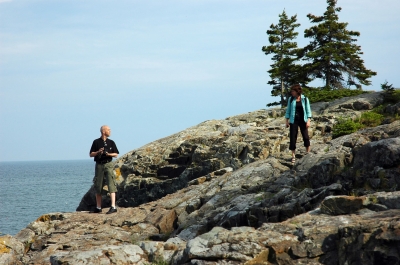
291,109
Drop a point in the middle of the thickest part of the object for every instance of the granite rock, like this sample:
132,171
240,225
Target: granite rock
225,192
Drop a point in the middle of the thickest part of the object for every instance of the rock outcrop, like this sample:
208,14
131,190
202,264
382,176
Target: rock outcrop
225,192
167,165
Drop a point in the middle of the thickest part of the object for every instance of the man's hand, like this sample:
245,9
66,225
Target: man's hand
96,153
308,123
287,123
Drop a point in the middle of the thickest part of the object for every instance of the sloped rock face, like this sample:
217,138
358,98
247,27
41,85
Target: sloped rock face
262,213
365,236
339,205
11,250
383,153
311,238
167,165
214,223
231,196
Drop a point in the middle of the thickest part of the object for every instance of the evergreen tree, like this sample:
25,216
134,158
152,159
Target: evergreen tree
284,71
332,53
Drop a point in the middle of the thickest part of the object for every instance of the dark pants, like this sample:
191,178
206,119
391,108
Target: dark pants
294,130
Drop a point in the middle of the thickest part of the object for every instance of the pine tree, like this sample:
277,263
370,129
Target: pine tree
284,71
332,52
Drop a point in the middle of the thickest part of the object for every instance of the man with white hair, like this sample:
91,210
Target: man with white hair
103,150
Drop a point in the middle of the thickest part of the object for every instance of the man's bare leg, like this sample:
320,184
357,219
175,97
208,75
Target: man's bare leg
98,200
112,195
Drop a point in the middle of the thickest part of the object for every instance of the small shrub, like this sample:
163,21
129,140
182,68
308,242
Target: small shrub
396,96
371,119
386,87
158,261
387,117
380,109
391,98
391,95
344,127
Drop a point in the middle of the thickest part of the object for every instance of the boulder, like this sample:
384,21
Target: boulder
11,250
384,153
339,205
311,238
393,109
390,200
124,254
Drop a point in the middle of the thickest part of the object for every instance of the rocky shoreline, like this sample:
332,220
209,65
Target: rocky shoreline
225,192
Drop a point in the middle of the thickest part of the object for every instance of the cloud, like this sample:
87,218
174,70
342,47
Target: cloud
19,48
4,1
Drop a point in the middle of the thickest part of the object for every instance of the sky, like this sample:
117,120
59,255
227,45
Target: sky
149,69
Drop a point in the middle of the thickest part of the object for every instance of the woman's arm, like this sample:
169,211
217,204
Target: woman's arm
308,109
288,110
287,115
308,112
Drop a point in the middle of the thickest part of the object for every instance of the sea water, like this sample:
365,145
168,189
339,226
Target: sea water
31,189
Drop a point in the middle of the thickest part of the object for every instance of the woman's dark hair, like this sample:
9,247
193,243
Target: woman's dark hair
297,88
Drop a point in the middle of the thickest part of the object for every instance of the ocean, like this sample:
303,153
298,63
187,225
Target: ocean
30,189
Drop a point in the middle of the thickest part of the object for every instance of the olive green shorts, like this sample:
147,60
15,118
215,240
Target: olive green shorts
104,171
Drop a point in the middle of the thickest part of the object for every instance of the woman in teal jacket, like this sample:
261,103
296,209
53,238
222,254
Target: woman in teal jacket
298,114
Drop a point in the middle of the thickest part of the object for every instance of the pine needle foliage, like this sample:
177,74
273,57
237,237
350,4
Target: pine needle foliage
316,94
284,70
345,127
332,54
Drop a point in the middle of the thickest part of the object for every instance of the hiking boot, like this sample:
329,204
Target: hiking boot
96,210
112,210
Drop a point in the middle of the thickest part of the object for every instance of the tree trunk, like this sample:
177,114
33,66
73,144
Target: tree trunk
282,94
328,74
328,77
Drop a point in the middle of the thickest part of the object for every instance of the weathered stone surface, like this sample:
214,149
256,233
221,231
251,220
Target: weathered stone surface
393,109
7,258
169,164
124,254
379,201
311,238
225,192
164,220
384,153
391,200
26,236
9,243
362,102
337,205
